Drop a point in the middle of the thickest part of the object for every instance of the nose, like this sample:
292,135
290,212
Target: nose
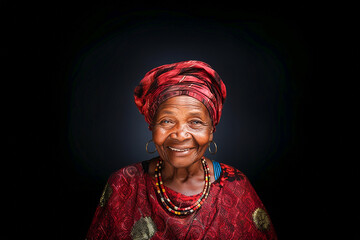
180,132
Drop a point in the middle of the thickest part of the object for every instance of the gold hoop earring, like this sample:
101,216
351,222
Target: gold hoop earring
146,147
215,146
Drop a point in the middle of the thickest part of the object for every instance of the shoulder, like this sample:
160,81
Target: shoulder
232,178
121,184
231,174
236,185
126,174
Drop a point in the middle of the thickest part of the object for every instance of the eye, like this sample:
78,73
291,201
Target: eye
165,121
196,122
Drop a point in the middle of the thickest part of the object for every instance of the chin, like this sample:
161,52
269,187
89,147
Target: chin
182,159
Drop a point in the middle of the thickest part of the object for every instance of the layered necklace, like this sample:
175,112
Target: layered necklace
165,200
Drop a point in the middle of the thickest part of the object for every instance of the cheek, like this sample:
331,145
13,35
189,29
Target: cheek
159,136
203,138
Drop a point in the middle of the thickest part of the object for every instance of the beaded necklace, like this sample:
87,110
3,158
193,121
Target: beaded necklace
165,200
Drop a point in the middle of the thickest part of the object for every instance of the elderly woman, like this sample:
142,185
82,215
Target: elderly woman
180,194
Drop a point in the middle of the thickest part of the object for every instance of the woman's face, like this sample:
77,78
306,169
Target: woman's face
182,130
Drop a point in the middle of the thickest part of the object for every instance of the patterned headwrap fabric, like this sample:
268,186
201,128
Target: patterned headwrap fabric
192,78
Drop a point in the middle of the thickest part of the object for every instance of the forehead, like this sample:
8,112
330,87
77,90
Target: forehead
183,103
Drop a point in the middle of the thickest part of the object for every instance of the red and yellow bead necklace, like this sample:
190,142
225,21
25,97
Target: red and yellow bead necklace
166,200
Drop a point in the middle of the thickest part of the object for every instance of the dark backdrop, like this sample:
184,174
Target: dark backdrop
71,70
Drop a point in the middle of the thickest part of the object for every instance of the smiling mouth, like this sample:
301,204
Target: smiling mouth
178,149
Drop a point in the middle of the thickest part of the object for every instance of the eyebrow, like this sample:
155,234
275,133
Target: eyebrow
193,114
167,112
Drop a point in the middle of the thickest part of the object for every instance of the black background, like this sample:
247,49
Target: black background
69,74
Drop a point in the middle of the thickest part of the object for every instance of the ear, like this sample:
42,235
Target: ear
211,137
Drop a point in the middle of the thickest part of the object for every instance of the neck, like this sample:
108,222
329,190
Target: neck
184,174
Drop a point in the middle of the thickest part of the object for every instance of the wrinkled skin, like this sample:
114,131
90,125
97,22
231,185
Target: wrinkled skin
182,130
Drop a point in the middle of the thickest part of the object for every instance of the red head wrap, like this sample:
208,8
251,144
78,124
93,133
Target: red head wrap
192,78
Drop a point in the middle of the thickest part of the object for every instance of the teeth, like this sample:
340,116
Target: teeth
178,150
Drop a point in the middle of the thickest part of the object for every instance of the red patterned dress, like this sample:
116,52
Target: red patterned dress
130,209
